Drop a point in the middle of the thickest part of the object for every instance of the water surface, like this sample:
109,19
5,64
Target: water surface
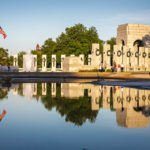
73,116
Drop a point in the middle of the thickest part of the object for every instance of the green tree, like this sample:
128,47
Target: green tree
112,42
77,40
3,56
3,93
11,60
49,48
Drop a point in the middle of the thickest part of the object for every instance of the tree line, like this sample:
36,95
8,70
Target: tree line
75,40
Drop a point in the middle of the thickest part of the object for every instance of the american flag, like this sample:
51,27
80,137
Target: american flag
2,32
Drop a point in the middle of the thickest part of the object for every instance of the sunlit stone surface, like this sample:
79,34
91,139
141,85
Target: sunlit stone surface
28,63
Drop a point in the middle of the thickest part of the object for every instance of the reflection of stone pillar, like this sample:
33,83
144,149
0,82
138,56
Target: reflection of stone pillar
44,88
44,63
142,97
15,61
89,59
106,56
28,90
81,59
53,62
95,103
53,89
117,98
62,59
106,97
147,94
35,62
62,89
15,91
35,89
94,93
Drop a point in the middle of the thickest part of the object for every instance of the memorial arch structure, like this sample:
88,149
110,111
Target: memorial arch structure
132,47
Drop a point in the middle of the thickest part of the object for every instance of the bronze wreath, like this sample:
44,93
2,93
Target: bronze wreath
128,98
136,54
144,54
108,53
97,52
128,54
119,53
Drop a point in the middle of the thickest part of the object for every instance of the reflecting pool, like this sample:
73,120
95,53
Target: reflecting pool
73,116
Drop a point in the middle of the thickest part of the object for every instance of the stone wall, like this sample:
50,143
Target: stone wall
129,33
72,64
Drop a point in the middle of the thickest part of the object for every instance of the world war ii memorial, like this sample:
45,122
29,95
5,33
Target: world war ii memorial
74,75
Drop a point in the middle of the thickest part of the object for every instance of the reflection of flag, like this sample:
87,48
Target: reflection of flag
3,33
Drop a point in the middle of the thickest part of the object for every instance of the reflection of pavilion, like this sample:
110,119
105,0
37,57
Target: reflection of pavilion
130,118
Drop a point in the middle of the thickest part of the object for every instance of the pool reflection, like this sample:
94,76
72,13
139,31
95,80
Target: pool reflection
79,102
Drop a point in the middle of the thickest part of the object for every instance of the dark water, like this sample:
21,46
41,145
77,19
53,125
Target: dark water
73,116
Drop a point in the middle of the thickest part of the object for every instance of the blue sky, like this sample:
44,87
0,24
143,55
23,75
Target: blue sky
30,22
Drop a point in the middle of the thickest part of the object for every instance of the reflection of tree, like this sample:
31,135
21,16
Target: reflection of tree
3,93
20,89
145,110
74,110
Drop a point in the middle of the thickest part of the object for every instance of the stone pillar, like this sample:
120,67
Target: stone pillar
95,49
15,61
62,59
133,59
44,63
96,56
106,56
89,59
81,59
53,89
53,62
137,57
127,58
35,62
117,55
44,88
147,59
35,89
142,59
